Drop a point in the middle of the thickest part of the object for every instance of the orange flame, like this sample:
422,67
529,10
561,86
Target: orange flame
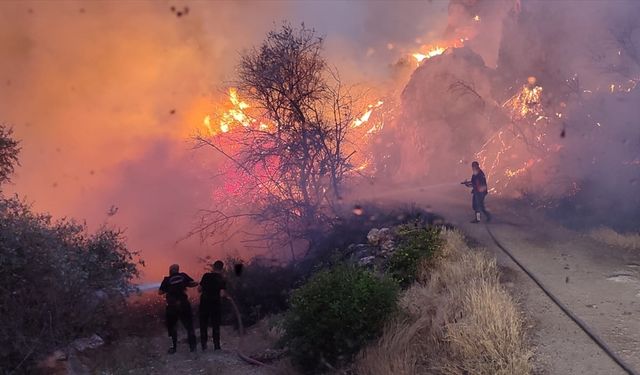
435,51
234,116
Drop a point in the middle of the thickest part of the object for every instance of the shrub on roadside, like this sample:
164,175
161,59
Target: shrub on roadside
335,314
457,320
57,282
353,229
608,236
416,245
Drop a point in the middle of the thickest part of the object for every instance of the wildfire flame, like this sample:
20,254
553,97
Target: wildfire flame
365,117
527,102
236,115
435,51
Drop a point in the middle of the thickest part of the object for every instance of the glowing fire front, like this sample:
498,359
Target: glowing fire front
514,150
435,51
236,115
231,127
527,102
429,51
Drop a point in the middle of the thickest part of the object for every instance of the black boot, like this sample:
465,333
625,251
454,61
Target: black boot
174,345
216,338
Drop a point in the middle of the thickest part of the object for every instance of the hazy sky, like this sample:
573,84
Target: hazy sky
104,97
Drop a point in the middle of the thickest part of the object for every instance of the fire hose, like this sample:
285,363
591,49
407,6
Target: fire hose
592,335
242,355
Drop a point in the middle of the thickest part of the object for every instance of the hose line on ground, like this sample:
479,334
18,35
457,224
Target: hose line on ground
243,356
619,361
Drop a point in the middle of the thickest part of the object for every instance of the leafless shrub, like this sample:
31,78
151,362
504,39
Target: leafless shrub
294,168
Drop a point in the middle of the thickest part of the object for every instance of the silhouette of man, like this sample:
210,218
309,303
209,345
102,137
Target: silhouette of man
479,191
174,287
212,287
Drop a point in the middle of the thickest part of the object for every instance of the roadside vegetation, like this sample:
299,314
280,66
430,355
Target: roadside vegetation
335,313
58,282
608,236
456,319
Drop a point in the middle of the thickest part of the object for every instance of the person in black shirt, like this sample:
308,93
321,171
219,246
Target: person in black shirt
212,287
479,191
174,288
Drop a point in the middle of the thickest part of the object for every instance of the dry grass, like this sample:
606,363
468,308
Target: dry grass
610,237
457,319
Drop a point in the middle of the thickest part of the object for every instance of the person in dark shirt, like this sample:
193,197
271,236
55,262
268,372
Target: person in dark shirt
479,191
174,288
212,287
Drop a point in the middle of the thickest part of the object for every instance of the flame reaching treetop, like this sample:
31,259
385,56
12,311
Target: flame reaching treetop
287,139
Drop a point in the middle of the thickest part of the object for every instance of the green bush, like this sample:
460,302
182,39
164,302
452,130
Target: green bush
415,245
335,313
57,282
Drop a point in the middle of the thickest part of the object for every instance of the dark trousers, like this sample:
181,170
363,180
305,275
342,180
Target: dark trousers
477,202
180,311
210,314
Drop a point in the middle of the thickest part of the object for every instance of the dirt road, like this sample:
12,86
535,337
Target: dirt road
598,283
149,355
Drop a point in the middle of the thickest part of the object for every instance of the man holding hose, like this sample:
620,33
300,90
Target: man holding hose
212,287
479,191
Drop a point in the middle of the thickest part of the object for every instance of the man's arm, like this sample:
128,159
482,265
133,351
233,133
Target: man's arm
190,282
482,184
202,282
223,290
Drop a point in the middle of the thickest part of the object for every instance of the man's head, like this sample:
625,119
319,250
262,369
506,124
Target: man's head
475,166
218,266
174,269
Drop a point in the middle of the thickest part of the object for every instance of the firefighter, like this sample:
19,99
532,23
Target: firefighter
479,191
174,288
212,287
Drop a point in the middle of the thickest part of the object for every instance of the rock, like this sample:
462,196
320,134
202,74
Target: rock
366,261
85,343
55,363
362,250
373,237
388,246
385,234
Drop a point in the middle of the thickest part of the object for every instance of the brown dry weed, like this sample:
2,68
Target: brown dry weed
457,319
610,237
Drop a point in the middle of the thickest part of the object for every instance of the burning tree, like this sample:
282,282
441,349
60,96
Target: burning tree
290,157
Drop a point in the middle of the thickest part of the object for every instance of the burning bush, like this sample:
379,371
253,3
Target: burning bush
335,314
